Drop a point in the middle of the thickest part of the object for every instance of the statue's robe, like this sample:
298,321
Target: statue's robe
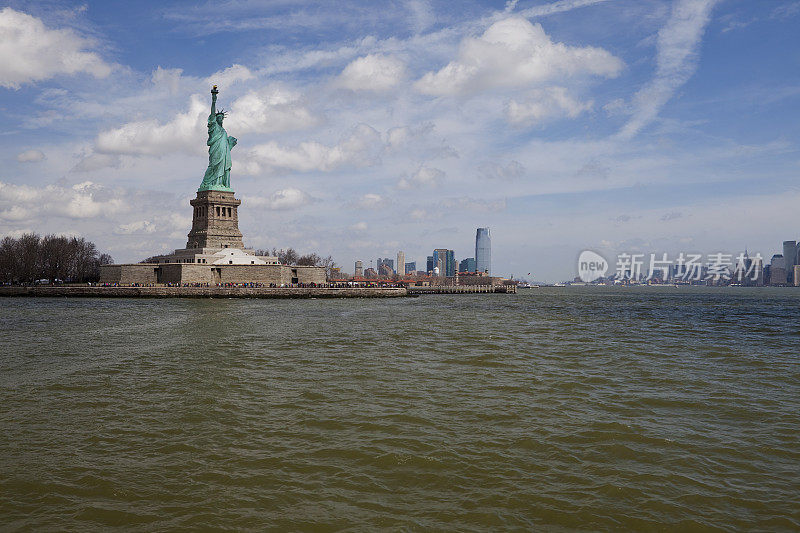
218,173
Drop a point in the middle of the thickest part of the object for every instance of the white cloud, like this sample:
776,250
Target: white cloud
31,156
360,148
473,204
543,104
185,132
30,52
284,199
515,53
370,201
139,227
419,214
359,226
676,61
559,6
422,16
269,110
81,201
227,77
510,171
169,78
94,162
423,177
372,72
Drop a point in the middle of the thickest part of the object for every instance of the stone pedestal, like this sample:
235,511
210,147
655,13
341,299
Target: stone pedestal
215,223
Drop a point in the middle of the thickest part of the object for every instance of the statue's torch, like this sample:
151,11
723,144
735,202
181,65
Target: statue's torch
214,90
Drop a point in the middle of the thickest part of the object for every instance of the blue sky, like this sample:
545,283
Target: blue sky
370,127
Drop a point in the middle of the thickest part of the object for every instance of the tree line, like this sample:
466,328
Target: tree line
290,256
32,257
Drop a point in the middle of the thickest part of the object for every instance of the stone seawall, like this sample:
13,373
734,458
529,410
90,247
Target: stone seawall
201,292
462,289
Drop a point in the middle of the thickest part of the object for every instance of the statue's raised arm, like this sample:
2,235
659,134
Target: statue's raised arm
218,173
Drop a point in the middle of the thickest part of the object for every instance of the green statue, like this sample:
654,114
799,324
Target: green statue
218,173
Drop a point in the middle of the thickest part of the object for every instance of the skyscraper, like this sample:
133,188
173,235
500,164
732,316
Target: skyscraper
789,259
777,270
411,267
401,264
483,250
446,261
467,265
359,270
388,262
429,264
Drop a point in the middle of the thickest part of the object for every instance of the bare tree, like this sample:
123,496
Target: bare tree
54,257
9,261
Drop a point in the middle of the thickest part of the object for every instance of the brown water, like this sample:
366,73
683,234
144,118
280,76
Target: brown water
554,408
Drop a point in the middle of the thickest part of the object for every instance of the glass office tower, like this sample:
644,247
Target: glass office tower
483,250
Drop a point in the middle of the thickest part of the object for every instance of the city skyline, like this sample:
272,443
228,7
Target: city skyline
356,139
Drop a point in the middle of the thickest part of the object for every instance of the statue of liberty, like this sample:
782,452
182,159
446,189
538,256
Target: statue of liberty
218,173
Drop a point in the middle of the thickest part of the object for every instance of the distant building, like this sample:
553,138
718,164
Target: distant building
385,270
388,262
446,261
797,275
777,270
370,273
401,264
411,267
749,272
430,265
483,250
789,259
359,270
468,265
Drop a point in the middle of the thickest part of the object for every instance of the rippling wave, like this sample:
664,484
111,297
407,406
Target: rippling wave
652,408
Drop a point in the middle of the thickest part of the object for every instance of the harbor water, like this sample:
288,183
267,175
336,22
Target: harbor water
555,408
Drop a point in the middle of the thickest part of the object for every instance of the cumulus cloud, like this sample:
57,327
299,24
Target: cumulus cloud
423,177
419,214
186,131
94,162
30,51
401,136
31,156
281,200
266,111
360,148
269,110
515,53
227,77
372,72
139,227
168,78
543,104
81,201
497,171
370,201
676,61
